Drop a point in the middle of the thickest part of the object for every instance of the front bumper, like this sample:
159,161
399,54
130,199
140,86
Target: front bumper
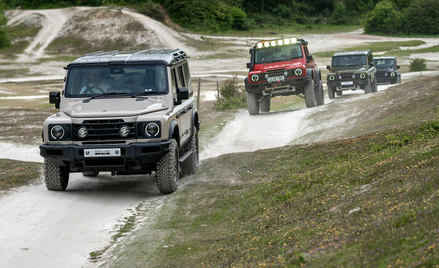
134,158
340,85
292,86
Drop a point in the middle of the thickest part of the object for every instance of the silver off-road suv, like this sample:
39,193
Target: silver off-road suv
125,113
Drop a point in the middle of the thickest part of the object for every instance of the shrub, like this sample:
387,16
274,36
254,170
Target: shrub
383,19
230,96
418,65
423,16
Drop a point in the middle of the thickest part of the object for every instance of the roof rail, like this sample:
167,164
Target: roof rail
100,53
141,51
156,51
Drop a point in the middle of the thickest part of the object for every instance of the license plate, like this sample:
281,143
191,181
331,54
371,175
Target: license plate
275,79
347,83
101,152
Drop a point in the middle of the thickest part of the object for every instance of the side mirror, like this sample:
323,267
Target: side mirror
54,97
248,65
328,67
397,66
309,57
371,64
182,94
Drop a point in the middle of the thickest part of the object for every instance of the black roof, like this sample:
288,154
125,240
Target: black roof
350,53
161,56
384,57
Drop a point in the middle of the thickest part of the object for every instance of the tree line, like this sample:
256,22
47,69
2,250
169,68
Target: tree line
377,16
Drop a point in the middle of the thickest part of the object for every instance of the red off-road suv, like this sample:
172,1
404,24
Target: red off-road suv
282,67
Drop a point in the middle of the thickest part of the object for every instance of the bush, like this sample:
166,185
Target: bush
418,65
423,17
230,96
383,19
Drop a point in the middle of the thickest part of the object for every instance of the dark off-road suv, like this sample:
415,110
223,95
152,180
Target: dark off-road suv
352,70
387,70
282,67
124,113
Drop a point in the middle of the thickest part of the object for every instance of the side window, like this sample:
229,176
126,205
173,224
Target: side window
181,82
187,77
174,84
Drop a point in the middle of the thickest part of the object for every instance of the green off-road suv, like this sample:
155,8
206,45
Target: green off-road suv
352,70
125,113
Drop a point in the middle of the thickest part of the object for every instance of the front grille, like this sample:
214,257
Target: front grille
346,77
278,72
381,74
101,130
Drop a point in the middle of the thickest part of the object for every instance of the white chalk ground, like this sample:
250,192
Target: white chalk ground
40,228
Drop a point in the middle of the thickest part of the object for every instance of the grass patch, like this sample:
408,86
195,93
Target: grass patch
18,173
392,47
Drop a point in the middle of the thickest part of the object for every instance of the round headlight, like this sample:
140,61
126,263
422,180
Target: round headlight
273,43
124,131
152,129
82,132
362,75
57,132
255,77
298,72
259,45
392,74
266,44
331,77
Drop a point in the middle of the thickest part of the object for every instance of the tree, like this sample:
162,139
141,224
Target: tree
383,19
4,41
423,17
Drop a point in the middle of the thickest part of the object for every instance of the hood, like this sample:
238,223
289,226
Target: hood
278,65
385,69
120,107
345,70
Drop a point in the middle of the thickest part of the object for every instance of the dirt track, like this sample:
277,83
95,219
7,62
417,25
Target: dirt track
39,228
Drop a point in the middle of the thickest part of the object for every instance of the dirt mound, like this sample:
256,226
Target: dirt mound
103,29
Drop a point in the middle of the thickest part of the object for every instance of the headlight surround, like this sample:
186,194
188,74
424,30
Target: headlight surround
363,75
152,130
331,77
298,72
82,132
124,131
392,74
254,77
57,132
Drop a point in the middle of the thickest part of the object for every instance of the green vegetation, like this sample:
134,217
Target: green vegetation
17,173
365,201
417,65
391,47
230,96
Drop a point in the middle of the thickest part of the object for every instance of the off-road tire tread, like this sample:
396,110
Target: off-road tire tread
310,97
168,170
55,177
190,165
375,86
252,104
368,87
331,92
265,105
320,97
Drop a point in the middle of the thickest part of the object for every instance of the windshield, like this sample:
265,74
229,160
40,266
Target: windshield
278,53
384,62
349,60
125,79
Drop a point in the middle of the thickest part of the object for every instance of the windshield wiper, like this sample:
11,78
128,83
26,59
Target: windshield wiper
143,93
104,95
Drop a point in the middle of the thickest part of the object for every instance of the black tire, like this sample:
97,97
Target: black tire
55,177
368,87
320,96
90,173
331,92
168,172
310,96
252,103
374,86
190,165
265,106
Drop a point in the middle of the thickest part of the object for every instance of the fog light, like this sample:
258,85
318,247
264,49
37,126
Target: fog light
124,131
82,132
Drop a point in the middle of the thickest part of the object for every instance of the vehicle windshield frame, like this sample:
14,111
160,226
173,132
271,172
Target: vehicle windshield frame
384,63
278,53
349,60
124,80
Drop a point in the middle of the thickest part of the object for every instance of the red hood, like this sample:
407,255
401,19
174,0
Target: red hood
263,67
